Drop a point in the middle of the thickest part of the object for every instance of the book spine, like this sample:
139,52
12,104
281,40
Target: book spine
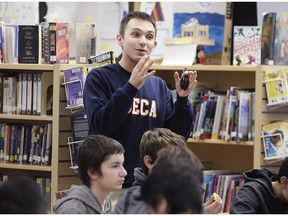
29,94
35,95
39,96
19,93
24,94
52,43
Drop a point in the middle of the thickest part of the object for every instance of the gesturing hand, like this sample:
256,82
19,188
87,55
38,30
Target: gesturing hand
192,82
139,74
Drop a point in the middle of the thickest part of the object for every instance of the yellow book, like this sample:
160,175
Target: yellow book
276,86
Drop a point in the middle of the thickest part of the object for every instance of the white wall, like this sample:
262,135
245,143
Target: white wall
106,14
265,7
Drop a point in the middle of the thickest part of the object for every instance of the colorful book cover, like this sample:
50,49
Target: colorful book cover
85,42
244,110
247,45
28,40
74,84
267,39
62,43
276,86
281,39
275,140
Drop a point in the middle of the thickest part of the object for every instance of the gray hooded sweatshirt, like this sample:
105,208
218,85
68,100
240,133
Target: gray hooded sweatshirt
80,200
128,202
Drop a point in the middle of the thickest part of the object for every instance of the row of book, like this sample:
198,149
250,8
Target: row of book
224,183
44,187
20,94
227,117
26,144
46,43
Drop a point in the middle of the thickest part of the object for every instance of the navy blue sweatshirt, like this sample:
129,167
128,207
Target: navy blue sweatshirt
117,109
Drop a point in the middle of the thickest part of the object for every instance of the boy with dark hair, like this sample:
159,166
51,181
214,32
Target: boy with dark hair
100,161
172,189
20,195
124,97
264,192
151,143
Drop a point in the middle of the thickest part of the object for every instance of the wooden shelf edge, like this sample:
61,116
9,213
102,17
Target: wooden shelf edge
25,167
220,142
27,117
212,68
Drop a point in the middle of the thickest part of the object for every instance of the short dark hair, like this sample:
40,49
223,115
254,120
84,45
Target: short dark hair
20,195
283,171
175,183
156,139
180,155
93,151
135,15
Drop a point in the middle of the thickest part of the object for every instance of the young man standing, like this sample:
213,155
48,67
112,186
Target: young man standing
263,192
100,161
124,100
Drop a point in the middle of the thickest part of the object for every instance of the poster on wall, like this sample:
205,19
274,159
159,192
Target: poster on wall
21,13
202,23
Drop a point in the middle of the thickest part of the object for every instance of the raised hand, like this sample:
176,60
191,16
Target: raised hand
139,74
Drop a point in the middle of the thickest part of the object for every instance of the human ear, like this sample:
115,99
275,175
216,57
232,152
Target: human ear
162,206
92,174
148,162
284,182
120,40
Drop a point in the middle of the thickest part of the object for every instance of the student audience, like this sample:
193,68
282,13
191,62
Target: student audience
100,162
264,192
151,143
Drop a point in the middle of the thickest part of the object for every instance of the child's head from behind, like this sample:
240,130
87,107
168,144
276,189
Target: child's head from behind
153,141
172,189
100,156
180,155
20,195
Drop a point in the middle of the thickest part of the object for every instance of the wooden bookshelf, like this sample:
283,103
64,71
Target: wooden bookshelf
236,156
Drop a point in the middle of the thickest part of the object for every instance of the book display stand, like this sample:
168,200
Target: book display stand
76,107
73,146
265,139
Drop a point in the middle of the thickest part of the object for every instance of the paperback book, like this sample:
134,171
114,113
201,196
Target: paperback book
276,86
74,82
247,45
275,140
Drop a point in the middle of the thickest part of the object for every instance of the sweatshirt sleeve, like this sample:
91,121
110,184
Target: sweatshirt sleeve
105,114
245,201
181,119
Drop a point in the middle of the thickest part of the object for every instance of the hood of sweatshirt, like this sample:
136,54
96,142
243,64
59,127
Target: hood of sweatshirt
140,177
262,176
80,199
